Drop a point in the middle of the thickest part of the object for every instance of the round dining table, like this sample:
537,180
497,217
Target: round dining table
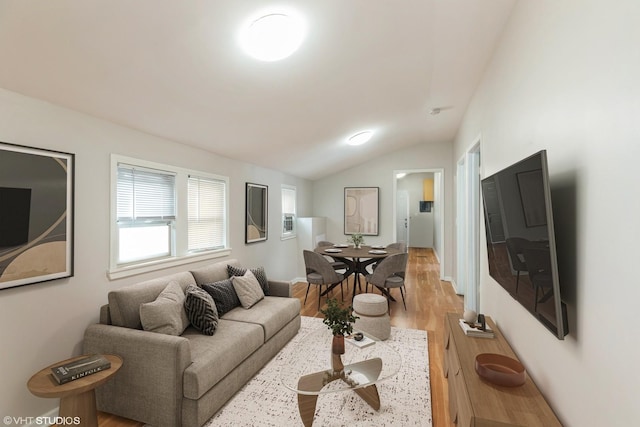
356,260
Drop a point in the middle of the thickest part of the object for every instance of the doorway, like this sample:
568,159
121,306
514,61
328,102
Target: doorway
408,223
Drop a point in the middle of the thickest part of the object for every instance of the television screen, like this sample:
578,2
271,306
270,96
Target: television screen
521,241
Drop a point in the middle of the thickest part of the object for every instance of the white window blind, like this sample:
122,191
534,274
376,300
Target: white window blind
206,213
145,194
288,211
146,212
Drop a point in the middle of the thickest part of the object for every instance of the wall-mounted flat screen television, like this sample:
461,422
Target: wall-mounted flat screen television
521,240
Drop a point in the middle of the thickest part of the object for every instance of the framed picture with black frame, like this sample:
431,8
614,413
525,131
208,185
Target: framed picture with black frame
361,210
36,215
256,220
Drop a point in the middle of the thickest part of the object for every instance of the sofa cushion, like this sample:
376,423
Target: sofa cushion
201,310
248,289
214,272
272,313
216,356
165,315
259,272
223,294
124,303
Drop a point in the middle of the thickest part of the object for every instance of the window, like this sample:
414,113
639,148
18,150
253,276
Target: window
288,211
207,219
165,215
146,206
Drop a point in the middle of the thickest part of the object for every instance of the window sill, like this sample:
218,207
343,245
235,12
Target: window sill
122,272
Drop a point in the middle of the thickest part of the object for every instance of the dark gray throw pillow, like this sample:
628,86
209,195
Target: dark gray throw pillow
258,272
223,294
201,310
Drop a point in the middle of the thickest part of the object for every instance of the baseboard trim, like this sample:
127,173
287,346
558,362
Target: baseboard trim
453,283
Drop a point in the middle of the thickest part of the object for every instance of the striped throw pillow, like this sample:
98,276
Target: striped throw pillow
201,310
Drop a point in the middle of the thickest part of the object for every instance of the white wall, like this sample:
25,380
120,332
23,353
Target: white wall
565,79
43,323
328,193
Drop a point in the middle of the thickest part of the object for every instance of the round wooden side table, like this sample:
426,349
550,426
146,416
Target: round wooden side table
78,397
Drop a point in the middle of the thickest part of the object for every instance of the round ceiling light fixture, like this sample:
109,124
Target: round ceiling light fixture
274,35
360,137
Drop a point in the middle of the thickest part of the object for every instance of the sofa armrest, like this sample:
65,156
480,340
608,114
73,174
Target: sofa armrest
105,315
148,387
280,288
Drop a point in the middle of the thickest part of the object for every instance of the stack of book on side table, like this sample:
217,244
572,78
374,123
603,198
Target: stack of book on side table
475,330
80,368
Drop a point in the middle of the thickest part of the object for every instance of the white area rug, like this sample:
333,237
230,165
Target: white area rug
405,399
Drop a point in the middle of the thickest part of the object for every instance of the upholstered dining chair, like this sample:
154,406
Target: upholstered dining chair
400,246
337,265
390,274
320,272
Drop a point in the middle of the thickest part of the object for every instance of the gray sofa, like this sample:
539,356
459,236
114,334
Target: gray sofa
168,380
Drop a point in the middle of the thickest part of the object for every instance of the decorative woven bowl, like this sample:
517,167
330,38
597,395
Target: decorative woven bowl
500,370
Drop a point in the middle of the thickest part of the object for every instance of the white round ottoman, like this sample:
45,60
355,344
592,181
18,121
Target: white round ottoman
373,315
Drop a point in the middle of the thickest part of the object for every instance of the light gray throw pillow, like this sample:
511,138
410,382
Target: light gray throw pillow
248,289
166,315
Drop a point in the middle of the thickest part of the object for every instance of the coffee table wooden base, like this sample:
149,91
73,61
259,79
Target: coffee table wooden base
370,395
315,382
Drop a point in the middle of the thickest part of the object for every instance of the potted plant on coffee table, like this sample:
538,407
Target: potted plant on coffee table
340,321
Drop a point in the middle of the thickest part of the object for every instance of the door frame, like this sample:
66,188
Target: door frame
468,173
439,240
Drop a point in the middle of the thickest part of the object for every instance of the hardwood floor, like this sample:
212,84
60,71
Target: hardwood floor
428,299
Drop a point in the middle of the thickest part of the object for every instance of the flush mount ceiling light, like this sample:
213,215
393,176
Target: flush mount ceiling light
360,138
401,175
273,35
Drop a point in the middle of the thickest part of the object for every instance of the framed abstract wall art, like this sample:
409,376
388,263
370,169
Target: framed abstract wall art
361,210
256,223
36,215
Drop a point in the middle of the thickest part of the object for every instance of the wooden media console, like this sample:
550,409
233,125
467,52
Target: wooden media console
475,402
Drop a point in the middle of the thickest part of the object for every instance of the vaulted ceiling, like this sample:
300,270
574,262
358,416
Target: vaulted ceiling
174,69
